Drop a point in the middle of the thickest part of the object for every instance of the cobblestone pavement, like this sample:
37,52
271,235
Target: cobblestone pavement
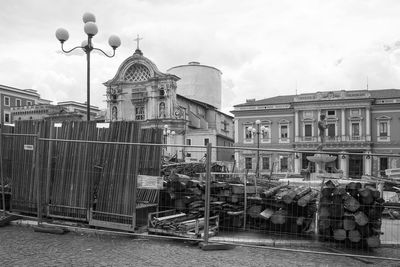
21,246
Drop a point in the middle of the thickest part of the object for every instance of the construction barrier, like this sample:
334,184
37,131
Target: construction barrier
123,177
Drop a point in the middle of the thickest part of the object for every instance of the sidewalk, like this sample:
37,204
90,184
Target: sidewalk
390,238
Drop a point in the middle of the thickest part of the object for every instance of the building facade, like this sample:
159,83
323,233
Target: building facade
13,97
140,92
362,121
69,110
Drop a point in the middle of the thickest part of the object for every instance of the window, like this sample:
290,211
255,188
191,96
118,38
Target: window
265,163
18,102
355,129
284,131
331,127
308,130
247,133
383,165
284,163
383,128
206,141
7,118
139,113
265,134
331,113
224,126
6,101
248,163
188,142
29,103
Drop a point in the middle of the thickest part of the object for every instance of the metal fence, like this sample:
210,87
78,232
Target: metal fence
145,187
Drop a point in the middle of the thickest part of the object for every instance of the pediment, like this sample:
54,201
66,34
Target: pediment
136,69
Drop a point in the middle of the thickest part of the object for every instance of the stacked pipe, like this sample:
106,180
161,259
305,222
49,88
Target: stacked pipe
271,206
350,213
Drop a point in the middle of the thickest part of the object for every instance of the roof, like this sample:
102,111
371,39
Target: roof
203,104
385,93
286,99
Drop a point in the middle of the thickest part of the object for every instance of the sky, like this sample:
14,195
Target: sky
264,48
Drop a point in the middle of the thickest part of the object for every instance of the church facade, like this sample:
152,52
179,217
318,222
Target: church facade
141,92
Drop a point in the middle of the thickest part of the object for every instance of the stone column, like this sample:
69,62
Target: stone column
368,124
297,163
343,125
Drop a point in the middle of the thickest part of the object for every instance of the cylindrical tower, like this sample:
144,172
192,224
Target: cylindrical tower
199,82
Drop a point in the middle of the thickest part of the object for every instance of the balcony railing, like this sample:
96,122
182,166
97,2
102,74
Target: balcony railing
333,139
306,139
356,138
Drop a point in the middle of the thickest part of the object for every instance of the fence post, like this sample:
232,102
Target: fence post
49,166
207,194
37,178
3,195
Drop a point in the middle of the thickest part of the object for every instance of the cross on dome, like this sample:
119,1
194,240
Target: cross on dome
137,39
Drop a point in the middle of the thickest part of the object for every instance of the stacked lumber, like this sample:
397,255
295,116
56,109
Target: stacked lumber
350,213
287,209
192,169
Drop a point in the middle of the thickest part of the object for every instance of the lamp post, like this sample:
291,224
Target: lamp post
91,30
167,132
257,130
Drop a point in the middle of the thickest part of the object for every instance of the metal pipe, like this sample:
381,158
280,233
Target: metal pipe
223,147
88,50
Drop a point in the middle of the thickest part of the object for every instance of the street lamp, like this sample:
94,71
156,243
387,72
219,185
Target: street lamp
257,130
91,30
167,132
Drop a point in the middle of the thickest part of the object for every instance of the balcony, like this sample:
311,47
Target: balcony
332,139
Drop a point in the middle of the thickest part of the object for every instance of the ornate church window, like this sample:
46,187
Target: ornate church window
139,113
137,73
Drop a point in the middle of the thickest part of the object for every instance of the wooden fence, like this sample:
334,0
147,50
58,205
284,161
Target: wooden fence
76,177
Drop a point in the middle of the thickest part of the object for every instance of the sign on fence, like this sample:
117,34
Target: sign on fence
28,147
150,182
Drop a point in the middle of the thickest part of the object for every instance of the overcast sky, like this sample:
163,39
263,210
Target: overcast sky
263,48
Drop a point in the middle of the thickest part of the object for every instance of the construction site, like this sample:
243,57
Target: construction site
115,176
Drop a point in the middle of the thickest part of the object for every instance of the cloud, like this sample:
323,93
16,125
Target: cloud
264,48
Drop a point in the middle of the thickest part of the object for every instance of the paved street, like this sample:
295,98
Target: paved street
21,246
